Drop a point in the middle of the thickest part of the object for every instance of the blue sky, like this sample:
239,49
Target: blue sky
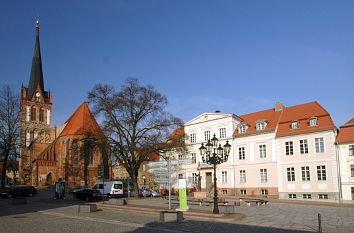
232,56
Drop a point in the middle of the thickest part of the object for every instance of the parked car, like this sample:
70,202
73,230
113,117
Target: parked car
24,191
74,190
132,193
88,195
6,193
152,193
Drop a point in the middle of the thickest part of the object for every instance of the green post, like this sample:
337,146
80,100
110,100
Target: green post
182,189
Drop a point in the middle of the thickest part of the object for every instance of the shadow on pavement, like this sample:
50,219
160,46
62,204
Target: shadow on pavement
44,200
205,227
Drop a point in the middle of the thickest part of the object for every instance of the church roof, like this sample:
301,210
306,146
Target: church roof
36,77
82,122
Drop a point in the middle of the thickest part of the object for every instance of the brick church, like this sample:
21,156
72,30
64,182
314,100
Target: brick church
73,152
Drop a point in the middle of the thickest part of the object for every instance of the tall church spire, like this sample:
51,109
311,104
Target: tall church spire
36,77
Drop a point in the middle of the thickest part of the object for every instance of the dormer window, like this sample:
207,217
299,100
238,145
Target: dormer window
294,125
242,129
313,121
261,125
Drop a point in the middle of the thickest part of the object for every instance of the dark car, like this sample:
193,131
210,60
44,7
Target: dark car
88,195
74,190
6,193
24,191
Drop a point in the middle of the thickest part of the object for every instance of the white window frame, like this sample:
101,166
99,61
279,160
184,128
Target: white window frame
242,129
264,175
241,153
305,174
323,196
262,149
352,170
224,177
321,173
194,178
264,192
206,135
222,132
351,150
193,138
180,176
290,172
289,148
319,145
292,196
243,192
295,125
194,158
260,125
243,178
304,146
306,196
313,121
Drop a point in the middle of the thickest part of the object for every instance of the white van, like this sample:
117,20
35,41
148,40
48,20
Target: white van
111,188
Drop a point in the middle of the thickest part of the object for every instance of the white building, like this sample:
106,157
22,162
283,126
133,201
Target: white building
345,149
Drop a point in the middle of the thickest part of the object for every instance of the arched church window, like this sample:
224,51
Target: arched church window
75,152
33,113
41,115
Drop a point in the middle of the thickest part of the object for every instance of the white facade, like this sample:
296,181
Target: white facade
346,170
310,171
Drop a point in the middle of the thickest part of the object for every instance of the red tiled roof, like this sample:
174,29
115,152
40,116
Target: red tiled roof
177,133
302,114
346,132
270,116
82,122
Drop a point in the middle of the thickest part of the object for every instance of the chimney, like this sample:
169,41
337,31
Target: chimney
217,111
279,107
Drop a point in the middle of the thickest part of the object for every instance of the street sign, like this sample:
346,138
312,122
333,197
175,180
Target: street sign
157,164
184,162
161,169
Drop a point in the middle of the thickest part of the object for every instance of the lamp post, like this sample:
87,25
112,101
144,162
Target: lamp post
213,154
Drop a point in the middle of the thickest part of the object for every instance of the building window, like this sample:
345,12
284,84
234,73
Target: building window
289,149
75,152
242,176
180,157
194,178
222,132
305,172
192,138
291,173
322,196
264,192
180,176
260,125
243,191
294,125
206,135
41,115
224,177
262,151
241,153
304,149
48,117
194,158
33,113
319,145
321,173
28,113
313,121
352,170
351,150
264,177
306,196
292,196
242,129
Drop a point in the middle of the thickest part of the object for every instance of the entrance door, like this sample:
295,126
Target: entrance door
352,193
208,181
49,179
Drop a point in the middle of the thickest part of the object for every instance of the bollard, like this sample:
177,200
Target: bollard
319,224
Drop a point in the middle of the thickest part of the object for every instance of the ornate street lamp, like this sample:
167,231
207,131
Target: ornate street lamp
213,154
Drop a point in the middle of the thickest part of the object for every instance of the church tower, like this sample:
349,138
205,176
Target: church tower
35,116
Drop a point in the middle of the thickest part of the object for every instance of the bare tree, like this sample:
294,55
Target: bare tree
135,121
9,128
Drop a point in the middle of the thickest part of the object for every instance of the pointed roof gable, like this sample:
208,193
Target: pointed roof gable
36,77
302,113
82,122
346,132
